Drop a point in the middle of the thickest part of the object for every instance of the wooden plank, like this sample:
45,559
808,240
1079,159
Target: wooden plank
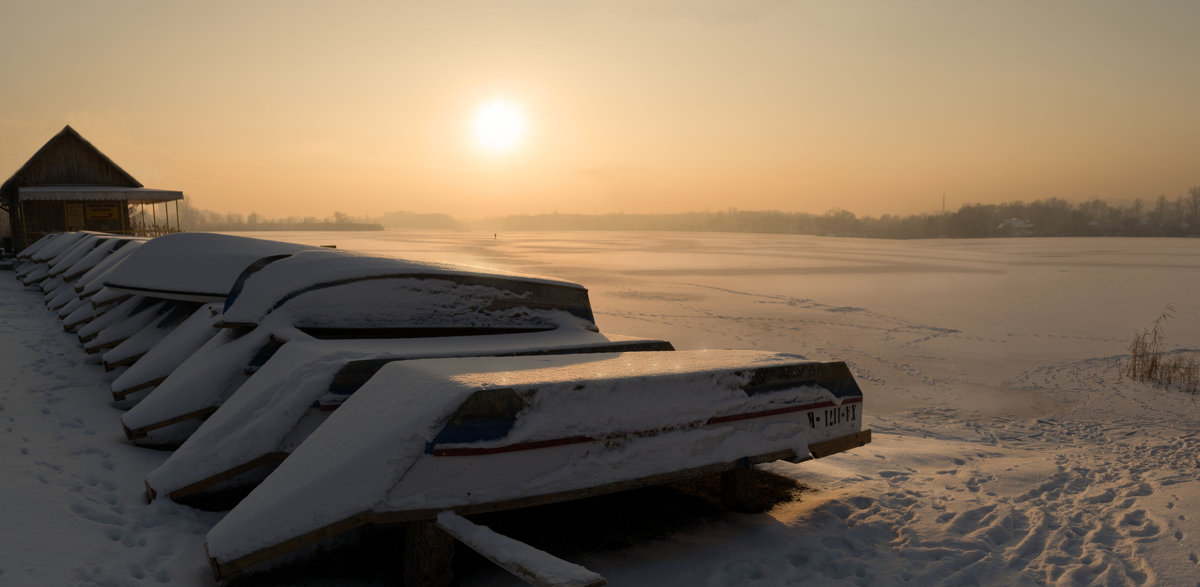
548,498
120,395
527,563
122,362
72,327
93,349
738,490
262,461
224,570
839,444
136,433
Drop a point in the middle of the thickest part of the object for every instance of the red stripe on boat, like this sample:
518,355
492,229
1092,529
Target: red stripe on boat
536,444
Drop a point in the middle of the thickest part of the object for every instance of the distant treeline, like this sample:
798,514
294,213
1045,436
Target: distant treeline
191,218
281,226
1048,217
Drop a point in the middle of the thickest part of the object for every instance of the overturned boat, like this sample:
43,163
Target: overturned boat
317,391
396,309
292,394
472,435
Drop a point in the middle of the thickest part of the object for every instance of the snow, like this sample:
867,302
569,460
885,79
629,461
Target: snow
143,341
1007,448
271,283
653,405
61,242
82,248
412,303
203,264
402,421
200,383
315,284
262,415
176,347
535,566
98,254
147,312
28,252
92,280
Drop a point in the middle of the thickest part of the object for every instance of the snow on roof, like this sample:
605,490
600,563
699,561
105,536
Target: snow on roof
265,288
356,460
193,266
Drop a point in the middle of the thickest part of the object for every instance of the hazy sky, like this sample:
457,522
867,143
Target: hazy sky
303,107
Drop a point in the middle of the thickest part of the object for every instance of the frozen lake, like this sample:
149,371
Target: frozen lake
914,318
1008,449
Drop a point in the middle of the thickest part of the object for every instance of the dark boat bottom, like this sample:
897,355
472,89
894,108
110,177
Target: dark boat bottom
565,529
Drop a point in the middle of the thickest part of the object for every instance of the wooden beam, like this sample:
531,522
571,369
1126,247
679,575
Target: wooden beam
527,563
428,555
840,444
136,433
120,395
270,458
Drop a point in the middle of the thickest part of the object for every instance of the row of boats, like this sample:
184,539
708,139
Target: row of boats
312,391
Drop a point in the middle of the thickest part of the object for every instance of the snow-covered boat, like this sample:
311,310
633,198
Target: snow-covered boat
295,391
192,266
457,390
471,435
175,275
84,310
411,310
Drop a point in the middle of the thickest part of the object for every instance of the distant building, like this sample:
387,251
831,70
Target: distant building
69,184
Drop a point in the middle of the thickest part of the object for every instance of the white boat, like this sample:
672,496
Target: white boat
412,310
304,382
471,435
191,266
457,390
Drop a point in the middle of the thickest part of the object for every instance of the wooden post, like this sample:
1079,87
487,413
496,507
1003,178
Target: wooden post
739,491
24,228
428,555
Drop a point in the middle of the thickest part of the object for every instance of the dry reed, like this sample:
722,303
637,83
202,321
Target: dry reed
1150,361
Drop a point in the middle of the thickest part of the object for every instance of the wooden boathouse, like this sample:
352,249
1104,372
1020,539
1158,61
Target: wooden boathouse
69,184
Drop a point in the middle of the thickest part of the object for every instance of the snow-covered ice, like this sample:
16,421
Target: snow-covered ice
1007,449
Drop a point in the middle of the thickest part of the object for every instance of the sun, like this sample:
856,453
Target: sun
499,126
